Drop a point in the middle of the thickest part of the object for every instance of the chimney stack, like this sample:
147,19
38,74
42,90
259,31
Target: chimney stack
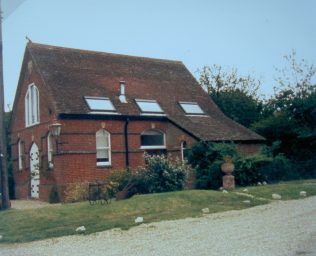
122,92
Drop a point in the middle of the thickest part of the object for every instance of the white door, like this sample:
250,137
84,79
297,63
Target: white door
34,167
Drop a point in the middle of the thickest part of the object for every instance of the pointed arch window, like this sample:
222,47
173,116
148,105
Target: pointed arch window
50,150
184,151
32,106
20,155
103,148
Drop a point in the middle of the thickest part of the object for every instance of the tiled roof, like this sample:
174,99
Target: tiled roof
72,74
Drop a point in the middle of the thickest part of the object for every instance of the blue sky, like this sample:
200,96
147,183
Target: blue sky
251,35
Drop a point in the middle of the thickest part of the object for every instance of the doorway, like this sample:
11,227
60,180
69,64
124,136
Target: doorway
34,168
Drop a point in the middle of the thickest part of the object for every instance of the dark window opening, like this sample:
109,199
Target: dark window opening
152,138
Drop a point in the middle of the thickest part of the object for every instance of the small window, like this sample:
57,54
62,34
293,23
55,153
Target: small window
184,151
191,108
152,139
99,104
32,106
149,106
50,151
20,153
103,147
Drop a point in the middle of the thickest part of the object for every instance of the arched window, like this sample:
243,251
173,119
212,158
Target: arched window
20,154
103,147
32,106
184,150
50,150
153,139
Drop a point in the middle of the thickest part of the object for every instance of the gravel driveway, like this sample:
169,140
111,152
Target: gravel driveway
281,228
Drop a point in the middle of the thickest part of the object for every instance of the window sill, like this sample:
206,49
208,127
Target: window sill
152,114
31,125
102,165
153,147
197,115
103,113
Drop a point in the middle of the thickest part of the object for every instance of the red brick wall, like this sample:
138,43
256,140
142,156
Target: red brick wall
35,134
75,160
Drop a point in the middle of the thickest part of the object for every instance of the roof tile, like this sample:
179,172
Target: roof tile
73,74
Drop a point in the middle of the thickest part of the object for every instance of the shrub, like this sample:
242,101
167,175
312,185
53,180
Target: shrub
76,192
53,195
249,169
307,168
206,158
119,179
160,174
280,168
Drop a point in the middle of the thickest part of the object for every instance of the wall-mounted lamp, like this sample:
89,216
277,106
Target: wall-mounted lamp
55,129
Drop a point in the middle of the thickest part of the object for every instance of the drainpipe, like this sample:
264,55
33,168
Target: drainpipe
126,143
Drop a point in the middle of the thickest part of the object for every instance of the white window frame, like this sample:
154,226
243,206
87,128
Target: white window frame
99,110
182,149
50,150
191,103
32,112
159,112
153,146
20,155
107,148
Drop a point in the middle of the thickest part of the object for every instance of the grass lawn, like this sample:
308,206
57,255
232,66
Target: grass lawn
288,190
36,224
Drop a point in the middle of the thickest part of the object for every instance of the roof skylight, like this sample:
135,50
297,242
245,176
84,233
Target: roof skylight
99,104
149,106
191,108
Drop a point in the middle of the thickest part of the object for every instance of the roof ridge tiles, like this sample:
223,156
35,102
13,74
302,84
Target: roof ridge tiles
53,47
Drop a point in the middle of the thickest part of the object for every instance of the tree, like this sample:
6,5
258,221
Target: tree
235,95
206,159
292,112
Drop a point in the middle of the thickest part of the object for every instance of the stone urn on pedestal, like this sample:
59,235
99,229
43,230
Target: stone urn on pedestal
228,167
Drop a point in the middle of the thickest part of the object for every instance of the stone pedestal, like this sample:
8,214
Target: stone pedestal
228,182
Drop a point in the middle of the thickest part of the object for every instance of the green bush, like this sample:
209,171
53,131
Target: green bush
249,169
306,169
280,168
119,179
206,158
54,195
160,174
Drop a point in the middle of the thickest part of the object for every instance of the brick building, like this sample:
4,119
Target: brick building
108,109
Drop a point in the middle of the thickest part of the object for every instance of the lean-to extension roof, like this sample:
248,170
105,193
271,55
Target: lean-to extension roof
72,74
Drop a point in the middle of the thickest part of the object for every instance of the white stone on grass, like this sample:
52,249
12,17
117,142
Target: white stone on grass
246,201
81,229
303,193
225,191
245,190
206,210
139,220
259,183
264,183
276,197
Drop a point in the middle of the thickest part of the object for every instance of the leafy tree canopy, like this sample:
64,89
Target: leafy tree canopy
234,94
291,112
